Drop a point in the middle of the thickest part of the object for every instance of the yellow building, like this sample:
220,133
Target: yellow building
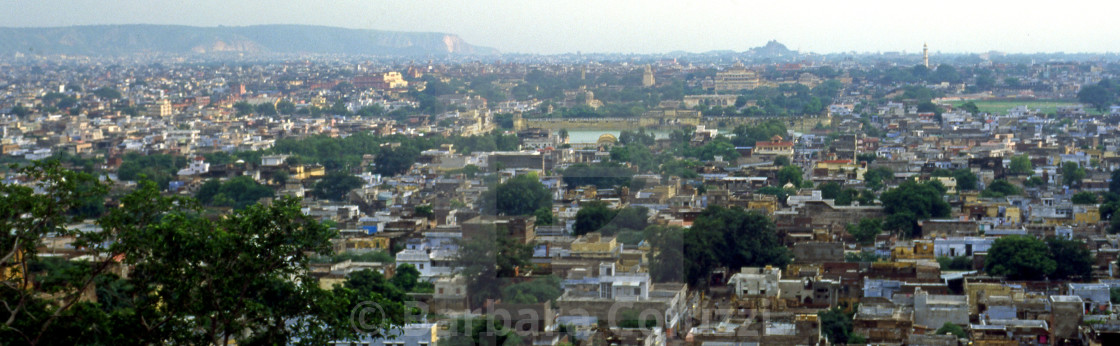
769,205
159,109
736,78
977,208
394,80
1080,215
1087,215
775,147
379,243
302,172
950,184
977,290
594,244
921,249
328,283
839,167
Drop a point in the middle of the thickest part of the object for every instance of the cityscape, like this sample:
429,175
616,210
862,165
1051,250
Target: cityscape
304,184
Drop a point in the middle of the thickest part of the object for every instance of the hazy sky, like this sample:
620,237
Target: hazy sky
649,26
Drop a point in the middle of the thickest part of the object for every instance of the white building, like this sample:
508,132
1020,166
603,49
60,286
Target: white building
196,167
960,246
755,281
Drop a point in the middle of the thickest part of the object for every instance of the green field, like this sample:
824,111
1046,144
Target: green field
1001,106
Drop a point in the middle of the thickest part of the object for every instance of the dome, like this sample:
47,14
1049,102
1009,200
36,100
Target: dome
607,139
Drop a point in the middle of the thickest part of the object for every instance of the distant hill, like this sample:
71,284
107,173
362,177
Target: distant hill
115,40
772,49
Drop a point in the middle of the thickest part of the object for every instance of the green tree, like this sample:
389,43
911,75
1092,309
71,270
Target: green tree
830,190
370,111
391,162
1000,188
632,217
970,107
1021,164
247,272
637,156
265,108
372,281
405,277
781,161
911,202
874,177
1097,96
1114,221
867,197
966,180
866,231
915,202
488,257
1019,258
1072,174
1084,197
592,216
1114,182
237,192
243,108
667,263
424,211
950,328
638,138
286,107
160,168
836,325
632,318
107,93
603,175
1076,261
539,290
281,177
20,111
680,168
760,132
733,238
955,263
335,185
521,195
474,332
544,216
790,174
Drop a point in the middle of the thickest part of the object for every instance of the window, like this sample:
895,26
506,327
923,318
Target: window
421,266
637,291
441,290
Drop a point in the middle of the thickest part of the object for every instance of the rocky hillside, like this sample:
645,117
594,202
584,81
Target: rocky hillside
115,40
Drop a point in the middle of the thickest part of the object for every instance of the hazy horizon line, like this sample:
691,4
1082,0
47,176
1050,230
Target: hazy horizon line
501,51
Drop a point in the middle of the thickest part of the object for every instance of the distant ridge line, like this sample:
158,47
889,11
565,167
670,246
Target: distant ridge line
130,39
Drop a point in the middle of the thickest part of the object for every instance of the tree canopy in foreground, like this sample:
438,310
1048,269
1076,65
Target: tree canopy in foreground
163,273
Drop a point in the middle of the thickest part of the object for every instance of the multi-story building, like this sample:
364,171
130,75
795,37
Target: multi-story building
736,78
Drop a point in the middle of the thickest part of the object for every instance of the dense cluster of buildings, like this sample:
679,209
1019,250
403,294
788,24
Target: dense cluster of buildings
903,297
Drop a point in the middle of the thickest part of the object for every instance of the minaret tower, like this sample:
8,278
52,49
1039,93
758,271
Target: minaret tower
925,55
